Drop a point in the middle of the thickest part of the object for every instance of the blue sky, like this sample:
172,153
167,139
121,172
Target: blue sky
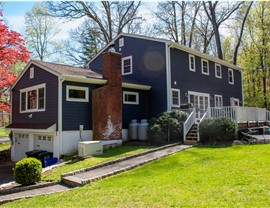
12,8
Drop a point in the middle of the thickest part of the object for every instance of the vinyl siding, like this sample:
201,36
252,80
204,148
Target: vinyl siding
131,111
77,113
149,68
41,76
187,80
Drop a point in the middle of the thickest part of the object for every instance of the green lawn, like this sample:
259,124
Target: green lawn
235,176
3,132
4,146
109,154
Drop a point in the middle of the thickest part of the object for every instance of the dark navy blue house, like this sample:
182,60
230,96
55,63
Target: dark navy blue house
52,103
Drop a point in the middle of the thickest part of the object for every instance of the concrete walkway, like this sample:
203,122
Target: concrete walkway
82,177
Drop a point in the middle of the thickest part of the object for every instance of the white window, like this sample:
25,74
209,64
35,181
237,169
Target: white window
175,98
77,94
127,65
32,72
234,102
218,71
130,97
33,98
218,101
121,42
192,63
205,67
230,76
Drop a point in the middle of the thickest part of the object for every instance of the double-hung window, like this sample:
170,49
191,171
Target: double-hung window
218,71
192,63
127,65
230,76
205,67
218,101
32,99
176,98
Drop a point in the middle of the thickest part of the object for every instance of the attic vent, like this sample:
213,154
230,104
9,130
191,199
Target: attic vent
121,42
31,72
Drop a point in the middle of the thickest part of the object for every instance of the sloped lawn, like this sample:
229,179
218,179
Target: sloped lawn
4,146
109,154
235,176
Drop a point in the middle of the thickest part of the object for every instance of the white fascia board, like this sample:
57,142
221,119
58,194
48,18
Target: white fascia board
85,80
37,64
127,35
51,129
205,56
136,86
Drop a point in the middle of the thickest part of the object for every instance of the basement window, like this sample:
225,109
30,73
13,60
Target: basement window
131,98
77,94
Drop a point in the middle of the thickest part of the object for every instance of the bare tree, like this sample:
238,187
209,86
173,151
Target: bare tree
110,17
217,14
40,31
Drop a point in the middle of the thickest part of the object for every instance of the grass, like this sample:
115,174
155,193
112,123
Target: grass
4,132
109,154
4,146
236,176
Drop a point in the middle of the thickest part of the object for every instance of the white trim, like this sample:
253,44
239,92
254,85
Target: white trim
26,90
32,72
232,100
198,93
190,69
204,60
220,77
136,86
230,70
37,64
51,129
168,76
178,93
122,65
204,56
121,42
131,93
85,80
72,87
221,99
242,89
60,119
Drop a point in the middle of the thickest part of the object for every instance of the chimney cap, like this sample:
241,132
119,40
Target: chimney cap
111,48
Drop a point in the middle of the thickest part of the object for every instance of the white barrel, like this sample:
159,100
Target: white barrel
142,130
133,130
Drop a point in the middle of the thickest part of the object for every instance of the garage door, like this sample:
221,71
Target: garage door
43,142
21,146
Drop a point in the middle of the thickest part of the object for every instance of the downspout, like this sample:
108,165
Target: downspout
168,76
242,88
60,84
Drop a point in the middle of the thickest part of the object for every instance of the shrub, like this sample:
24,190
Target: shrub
167,126
27,171
220,129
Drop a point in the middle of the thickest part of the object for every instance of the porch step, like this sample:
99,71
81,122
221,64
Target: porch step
190,142
192,136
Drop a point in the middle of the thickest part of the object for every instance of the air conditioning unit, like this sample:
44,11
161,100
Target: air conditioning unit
90,148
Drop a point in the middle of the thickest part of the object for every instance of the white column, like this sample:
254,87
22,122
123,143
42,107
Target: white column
31,142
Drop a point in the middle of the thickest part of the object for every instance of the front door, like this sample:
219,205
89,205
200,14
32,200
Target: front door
200,102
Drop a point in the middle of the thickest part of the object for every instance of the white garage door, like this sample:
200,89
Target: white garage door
43,142
21,146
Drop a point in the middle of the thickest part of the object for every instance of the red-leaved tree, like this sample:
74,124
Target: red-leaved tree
12,51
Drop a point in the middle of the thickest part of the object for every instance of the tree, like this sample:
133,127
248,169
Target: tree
254,56
83,44
40,31
217,15
109,17
12,51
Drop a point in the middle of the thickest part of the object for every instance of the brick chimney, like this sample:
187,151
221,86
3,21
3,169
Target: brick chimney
107,101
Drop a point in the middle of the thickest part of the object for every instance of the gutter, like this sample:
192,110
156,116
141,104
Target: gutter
60,126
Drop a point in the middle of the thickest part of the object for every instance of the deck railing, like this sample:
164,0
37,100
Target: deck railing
188,123
239,113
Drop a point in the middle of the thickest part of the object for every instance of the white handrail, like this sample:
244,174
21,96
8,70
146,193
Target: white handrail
188,123
238,113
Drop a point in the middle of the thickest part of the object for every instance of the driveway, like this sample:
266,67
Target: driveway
6,173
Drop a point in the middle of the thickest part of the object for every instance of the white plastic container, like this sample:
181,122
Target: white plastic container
133,130
142,130
89,148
